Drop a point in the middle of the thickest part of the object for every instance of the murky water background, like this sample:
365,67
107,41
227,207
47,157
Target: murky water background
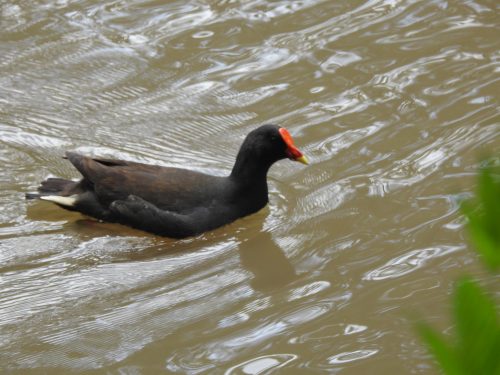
394,102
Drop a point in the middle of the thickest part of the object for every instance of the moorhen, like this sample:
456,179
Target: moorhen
172,202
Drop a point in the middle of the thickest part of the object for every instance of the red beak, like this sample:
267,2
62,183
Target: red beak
292,152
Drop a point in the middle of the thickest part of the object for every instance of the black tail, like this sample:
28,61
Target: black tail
53,186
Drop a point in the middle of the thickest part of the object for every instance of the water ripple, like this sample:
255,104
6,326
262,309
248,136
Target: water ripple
392,100
350,356
409,262
261,364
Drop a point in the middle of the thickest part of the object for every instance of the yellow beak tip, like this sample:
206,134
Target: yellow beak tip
302,160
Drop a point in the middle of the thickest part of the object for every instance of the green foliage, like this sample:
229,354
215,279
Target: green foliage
478,330
444,353
484,218
476,347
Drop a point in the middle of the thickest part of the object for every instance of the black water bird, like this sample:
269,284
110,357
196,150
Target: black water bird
173,202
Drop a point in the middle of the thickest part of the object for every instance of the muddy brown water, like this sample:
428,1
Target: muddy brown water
394,102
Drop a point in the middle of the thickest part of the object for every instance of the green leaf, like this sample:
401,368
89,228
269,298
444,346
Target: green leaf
478,345
484,218
439,348
489,195
484,243
476,349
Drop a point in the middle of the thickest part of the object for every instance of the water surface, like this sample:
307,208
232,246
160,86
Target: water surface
394,102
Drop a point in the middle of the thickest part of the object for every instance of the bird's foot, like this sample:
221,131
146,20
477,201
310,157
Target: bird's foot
133,206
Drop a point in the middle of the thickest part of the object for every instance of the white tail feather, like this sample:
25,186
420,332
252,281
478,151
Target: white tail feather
63,201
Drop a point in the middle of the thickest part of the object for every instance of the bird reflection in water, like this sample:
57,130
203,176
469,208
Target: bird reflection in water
262,257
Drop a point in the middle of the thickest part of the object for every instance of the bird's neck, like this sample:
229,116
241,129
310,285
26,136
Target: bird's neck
249,170
249,179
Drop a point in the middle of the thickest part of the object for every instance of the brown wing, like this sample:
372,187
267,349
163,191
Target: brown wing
168,188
